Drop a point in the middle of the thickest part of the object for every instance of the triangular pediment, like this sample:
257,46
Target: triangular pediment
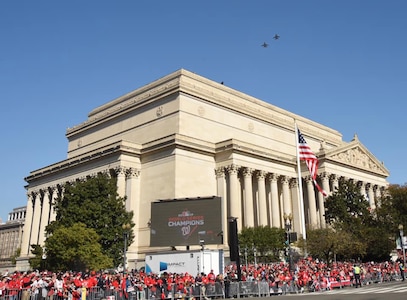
355,155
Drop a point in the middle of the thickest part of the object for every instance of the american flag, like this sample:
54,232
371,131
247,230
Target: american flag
305,153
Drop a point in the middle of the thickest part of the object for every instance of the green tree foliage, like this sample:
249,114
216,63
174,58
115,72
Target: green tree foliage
75,248
268,241
35,262
392,208
364,235
348,209
95,203
328,244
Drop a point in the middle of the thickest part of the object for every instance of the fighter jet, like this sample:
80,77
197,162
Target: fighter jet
265,45
276,36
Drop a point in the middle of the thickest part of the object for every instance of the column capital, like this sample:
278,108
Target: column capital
120,170
325,175
293,182
220,172
308,179
360,183
334,177
132,173
232,169
261,174
247,172
273,177
284,179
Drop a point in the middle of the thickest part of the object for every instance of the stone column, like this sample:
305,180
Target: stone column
25,243
121,180
36,219
221,192
362,188
275,201
296,209
44,216
133,204
370,194
248,197
260,175
54,197
325,186
335,182
234,200
311,202
377,191
286,196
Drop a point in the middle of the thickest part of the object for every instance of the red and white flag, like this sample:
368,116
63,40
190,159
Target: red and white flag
305,153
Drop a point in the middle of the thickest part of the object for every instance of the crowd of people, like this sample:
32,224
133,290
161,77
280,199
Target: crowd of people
305,275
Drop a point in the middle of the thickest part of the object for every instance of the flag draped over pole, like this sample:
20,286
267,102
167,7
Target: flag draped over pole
305,153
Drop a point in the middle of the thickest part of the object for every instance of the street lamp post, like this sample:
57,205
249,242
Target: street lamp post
255,256
287,221
401,232
126,228
245,256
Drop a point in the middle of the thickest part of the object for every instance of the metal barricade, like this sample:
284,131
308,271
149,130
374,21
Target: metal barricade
13,294
214,290
263,288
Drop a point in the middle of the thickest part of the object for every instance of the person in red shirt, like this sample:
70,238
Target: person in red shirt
211,277
13,287
123,286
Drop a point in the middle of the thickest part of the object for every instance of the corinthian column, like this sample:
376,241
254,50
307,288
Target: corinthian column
325,186
370,192
25,243
234,200
335,182
121,181
221,192
44,216
362,188
311,202
296,208
286,195
248,197
260,175
133,204
36,219
275,202
53,213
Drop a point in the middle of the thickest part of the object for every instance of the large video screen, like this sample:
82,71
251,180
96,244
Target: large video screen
182,222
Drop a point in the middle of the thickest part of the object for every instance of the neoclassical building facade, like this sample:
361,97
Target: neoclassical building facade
183,136
11,234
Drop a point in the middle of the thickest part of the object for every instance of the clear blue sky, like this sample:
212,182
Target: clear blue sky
340,63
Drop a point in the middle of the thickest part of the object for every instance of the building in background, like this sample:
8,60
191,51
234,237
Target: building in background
186,136
11,234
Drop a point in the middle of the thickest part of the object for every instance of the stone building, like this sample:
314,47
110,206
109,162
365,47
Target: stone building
11,234
187,136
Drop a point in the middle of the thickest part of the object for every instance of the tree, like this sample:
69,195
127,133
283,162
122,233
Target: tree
347,208
75,248
327,243
95,203
392,208
268,242
35,262
348,213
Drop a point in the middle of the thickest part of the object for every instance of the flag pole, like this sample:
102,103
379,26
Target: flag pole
301,197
